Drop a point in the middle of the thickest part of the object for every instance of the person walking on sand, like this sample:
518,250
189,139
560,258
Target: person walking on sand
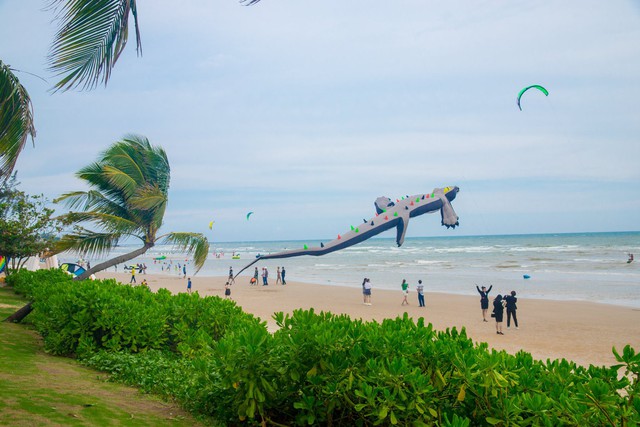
364,294
282,273
278,276
405,292
366,290
189,285
484,300
420,290
133,275
231,275
511,309
498,313
227,290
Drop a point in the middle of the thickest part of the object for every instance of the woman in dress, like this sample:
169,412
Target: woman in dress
484,300
498,312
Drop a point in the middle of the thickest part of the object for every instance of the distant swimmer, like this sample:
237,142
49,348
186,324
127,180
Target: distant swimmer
630,260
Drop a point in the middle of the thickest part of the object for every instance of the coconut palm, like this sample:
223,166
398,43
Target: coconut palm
127,199
91,36
16,120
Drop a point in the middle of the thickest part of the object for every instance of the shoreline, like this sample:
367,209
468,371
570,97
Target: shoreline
581,331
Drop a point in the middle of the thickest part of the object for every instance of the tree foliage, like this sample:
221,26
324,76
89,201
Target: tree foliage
26,225
91,36
128,196
16,120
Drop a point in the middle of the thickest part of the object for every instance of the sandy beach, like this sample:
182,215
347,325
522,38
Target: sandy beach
580,331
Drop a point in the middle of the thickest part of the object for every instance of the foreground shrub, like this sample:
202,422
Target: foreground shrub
82,317
319,369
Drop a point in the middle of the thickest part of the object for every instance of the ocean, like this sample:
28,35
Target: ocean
576,266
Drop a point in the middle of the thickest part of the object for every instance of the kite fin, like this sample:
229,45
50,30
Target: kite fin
402,229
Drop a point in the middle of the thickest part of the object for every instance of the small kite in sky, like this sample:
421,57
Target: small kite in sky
248,215
540,88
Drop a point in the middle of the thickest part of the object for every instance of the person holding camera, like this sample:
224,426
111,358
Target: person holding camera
511,309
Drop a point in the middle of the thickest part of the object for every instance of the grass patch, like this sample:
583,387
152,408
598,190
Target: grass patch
42,390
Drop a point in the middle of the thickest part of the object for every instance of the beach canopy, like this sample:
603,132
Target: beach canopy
73,269
401,211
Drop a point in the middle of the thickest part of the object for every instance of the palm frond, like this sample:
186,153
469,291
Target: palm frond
149,197
93,200
89,242
90,39
191,243
16,120
110,223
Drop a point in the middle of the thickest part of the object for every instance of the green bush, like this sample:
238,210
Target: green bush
318,368
81,317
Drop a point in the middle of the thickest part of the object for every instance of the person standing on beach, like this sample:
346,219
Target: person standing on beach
227,290
254,281
133,275
231,275
278,276
282,273
184,271
511,309
364,294
405,292
498,313
265,276
366,291
420,290
484,300
189,285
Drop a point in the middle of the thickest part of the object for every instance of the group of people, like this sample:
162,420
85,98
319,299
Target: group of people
366,292
280,276
500,303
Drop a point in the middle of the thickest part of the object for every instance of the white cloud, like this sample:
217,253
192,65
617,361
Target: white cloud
310,110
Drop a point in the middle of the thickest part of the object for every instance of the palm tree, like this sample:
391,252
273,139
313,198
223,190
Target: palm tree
16,120
127,199
91,36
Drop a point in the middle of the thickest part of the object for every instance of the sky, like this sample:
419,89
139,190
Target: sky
304,112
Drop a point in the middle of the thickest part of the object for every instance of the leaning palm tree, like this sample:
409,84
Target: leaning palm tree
127,199
16,120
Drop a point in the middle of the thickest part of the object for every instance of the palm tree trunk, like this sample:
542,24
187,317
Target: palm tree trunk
24,311
114,261
20,314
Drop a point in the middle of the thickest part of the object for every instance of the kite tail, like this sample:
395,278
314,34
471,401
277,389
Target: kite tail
449,216
247,266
